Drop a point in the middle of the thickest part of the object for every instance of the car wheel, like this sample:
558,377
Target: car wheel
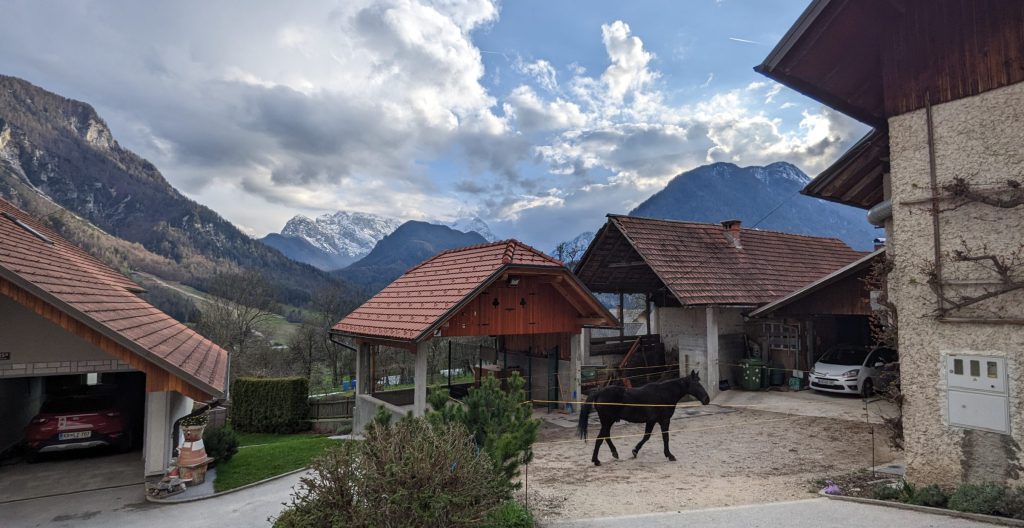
868,388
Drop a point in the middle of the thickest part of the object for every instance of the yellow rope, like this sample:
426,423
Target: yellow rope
687,430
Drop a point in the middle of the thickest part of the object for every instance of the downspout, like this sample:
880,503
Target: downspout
880,213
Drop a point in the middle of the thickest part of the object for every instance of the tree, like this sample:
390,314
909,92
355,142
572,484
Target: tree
240,313
500,423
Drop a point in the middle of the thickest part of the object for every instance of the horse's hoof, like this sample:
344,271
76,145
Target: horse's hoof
634,454
671,458
597,462
615,456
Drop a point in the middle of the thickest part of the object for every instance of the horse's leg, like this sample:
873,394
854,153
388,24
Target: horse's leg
647,434
606,430
664,437
615,452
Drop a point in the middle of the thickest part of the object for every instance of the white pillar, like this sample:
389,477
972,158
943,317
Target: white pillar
363,375
575,369
655,326
419,406
711,383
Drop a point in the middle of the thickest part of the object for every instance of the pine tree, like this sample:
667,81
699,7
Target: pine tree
501,423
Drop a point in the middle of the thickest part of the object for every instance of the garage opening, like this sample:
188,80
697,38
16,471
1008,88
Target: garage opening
71,433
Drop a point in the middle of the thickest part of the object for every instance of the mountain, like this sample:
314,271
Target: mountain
764,197
474,225
335,240
332,240
60,162
412,243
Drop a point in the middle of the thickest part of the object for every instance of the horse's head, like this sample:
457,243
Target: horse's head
696,389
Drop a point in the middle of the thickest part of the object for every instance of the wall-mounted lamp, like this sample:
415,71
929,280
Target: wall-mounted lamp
495,302
513,282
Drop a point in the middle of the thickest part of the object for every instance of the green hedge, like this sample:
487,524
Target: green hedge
270,405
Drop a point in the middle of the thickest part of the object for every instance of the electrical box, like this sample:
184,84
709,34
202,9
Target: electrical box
977,393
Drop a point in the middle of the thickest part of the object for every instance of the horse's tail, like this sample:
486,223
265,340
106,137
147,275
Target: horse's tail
581,428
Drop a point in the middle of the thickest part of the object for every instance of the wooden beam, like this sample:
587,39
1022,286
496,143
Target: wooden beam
627,264
590,320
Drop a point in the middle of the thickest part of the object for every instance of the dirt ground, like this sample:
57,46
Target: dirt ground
725,457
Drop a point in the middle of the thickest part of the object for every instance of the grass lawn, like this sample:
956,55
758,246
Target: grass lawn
265,455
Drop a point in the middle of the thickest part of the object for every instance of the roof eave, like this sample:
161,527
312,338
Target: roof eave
827,280
88,321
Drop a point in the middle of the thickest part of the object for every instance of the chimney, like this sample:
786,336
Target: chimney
732,232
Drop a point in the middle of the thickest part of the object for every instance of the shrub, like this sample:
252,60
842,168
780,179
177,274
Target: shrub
221,443
500,423
985,498
270,405
510,514
887,492
930,495
1013,504
411,473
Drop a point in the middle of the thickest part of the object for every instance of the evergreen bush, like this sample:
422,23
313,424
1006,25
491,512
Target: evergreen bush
930,495
221,443
270,405
1013,504
985,498
500,423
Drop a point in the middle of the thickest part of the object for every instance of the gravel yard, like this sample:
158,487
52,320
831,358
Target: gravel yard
725,457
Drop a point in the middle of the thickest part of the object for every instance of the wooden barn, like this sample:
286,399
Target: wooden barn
529,302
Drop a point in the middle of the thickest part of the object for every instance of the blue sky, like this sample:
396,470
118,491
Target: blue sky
539,117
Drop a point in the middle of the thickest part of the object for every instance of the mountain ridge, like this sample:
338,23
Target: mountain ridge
60,162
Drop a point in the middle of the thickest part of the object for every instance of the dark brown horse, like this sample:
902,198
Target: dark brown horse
654,403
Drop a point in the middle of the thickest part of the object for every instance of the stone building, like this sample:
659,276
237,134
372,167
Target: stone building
940,82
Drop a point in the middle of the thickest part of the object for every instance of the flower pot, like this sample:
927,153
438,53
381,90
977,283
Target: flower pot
193,433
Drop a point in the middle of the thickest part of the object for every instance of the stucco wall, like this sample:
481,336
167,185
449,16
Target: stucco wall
979,138
162,410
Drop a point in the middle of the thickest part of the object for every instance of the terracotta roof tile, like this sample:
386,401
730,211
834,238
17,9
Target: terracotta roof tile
701,265
104,296
417,300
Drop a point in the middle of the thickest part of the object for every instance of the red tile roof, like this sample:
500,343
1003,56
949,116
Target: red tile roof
92,292
701,265
417,301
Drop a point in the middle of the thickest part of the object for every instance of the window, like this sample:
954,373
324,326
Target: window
782,336
975,368
993,369
92,378
958,367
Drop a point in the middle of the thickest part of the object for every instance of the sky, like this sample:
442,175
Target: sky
539,117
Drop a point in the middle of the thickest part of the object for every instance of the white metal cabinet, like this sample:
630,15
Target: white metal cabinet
977,393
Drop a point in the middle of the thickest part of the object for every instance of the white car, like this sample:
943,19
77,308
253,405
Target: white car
854,370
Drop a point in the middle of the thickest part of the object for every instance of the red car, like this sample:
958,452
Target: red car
76,422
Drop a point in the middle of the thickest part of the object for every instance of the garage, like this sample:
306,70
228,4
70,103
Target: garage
91,375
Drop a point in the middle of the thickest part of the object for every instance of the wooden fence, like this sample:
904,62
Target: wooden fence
321,410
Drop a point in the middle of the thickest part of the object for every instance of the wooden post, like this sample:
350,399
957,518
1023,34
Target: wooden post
622,323
647,311
449,365
711,383
419,405
576,366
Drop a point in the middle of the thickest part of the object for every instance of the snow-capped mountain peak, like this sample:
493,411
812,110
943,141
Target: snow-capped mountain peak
474,224
343,233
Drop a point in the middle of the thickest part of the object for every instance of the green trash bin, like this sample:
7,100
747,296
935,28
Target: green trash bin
753,374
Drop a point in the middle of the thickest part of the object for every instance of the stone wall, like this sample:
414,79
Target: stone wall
978,138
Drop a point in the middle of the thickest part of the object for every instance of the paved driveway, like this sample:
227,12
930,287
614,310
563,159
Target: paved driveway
69,472
127,507
810,513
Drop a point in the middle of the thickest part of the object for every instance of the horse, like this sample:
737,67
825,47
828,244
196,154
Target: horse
654,403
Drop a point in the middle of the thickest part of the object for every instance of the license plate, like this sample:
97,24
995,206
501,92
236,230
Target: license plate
75,436
822,381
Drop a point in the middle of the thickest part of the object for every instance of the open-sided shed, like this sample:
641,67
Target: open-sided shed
504,289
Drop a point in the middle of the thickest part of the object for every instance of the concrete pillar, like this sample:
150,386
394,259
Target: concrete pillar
162,410
363,374
711,383
419,405
575,368
654,318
